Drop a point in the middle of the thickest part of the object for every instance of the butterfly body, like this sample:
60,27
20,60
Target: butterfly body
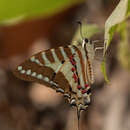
66,69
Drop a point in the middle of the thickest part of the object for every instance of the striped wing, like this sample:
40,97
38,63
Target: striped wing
63,69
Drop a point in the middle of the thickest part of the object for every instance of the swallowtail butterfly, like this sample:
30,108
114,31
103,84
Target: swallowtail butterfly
67,70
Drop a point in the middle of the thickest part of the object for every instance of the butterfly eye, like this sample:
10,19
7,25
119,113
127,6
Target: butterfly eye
86,40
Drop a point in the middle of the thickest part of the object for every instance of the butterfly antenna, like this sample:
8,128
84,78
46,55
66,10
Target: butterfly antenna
80,28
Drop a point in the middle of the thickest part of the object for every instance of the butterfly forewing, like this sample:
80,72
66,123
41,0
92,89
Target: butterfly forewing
41,67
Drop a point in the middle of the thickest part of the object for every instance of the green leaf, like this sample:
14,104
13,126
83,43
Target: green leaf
15,10
103,68
124,48
128,10
121,12
118,15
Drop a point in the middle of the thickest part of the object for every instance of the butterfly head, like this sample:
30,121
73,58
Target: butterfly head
86,42
88,46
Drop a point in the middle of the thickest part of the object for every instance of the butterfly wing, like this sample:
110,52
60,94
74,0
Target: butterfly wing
51,68
62,69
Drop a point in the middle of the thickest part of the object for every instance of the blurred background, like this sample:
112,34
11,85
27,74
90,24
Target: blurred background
27,27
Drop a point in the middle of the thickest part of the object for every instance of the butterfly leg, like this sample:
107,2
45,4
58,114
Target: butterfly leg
98,48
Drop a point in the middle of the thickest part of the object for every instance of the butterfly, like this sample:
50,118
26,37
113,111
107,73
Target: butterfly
66,69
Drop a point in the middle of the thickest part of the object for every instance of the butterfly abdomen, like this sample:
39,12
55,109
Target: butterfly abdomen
90,72
89,67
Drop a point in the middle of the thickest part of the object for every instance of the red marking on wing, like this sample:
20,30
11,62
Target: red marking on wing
86,85
84,91
79,87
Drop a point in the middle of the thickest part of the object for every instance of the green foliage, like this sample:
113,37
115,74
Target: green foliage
118,15
124,47
15,10
128,10
104,70
121,12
